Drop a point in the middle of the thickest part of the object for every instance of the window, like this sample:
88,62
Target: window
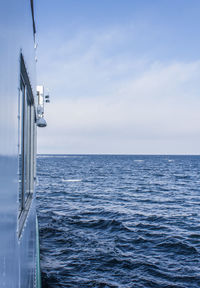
26,145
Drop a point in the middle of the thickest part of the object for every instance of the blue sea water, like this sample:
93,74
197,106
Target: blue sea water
119,221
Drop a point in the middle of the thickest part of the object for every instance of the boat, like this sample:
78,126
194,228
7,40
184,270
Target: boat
21,112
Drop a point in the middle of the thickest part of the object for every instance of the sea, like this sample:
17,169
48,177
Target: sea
123,221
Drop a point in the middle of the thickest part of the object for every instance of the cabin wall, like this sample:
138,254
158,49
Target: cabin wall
16,34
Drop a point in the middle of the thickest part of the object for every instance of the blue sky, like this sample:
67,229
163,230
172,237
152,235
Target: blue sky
123,76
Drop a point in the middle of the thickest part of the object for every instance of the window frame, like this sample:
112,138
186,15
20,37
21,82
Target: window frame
27,143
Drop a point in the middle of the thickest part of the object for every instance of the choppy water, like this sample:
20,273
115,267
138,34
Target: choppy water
119,221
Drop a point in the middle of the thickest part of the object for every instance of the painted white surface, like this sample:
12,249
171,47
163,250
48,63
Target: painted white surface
17,257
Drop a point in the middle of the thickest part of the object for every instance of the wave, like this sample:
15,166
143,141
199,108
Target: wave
102,224
71,180
177,247
124,227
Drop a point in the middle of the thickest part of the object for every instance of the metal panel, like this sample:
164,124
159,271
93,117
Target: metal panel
17,257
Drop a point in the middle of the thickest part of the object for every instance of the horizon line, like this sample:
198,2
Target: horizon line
118,154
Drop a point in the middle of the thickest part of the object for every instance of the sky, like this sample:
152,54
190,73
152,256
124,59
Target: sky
123,76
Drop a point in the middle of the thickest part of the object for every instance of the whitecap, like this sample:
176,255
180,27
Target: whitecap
71,180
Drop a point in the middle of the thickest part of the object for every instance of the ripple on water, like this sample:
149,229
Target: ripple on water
119,221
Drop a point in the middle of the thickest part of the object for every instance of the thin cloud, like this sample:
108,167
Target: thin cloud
167,109
104,100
